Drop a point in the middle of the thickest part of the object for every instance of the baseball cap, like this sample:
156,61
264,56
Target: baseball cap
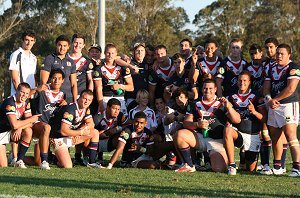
136,45
96,46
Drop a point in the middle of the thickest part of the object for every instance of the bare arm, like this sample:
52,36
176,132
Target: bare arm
288,90
21,124
73,80
152,89
99,93
90,81
219,87
66,131
15,78
44,76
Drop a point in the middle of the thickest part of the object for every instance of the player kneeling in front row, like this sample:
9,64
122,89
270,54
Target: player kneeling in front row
12,127
204,124
246,133
48,101
72,125
109,123
140,151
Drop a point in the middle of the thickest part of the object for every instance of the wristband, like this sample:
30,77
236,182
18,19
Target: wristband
143,150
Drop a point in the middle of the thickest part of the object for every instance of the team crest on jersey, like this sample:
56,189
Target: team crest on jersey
68,116
43,65
150,77
127,71
91,66
10,108
88,111
69,64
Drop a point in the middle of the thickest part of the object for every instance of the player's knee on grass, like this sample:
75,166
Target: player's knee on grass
251,160
148,164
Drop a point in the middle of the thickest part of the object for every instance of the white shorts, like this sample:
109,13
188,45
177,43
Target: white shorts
143,157
103,145
58,143
283,115
5,137
215,145
251,142
120,98
202,143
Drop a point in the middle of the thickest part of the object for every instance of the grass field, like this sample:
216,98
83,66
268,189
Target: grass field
118,182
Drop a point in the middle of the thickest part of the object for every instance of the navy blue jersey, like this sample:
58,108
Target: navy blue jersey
229,71
47,103
249,123
213,112
110,75
140,80
279,77
257,75
67,65
83,67
143,138
181,81
9,107
205,67
70,115
103,123
160,78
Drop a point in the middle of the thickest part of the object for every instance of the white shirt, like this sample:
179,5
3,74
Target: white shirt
28,66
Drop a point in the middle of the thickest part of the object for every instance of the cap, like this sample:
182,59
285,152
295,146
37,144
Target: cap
136,45
96,46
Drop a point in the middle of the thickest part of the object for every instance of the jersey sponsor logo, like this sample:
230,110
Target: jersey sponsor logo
96,74
10,108
49,108
127,71
68,116
295,71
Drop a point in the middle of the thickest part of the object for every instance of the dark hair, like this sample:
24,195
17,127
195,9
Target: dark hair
286,46
109,45
187,40
57,71
181,90
140,114
272,40
255,47
208,80
78,35
30,33
23,84
113,101
62,38
245,72
177,56
86,91
161,47
211,41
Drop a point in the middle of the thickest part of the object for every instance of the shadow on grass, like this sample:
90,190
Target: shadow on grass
131,188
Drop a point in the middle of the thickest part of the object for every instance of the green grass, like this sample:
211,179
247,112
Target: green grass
129,182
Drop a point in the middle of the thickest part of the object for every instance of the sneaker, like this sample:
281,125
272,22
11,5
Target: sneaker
277,171
20,164
295,173
85,160
186,168
260,167
94,165
79,162
266,170
45,165
231,170
283,170
109,166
